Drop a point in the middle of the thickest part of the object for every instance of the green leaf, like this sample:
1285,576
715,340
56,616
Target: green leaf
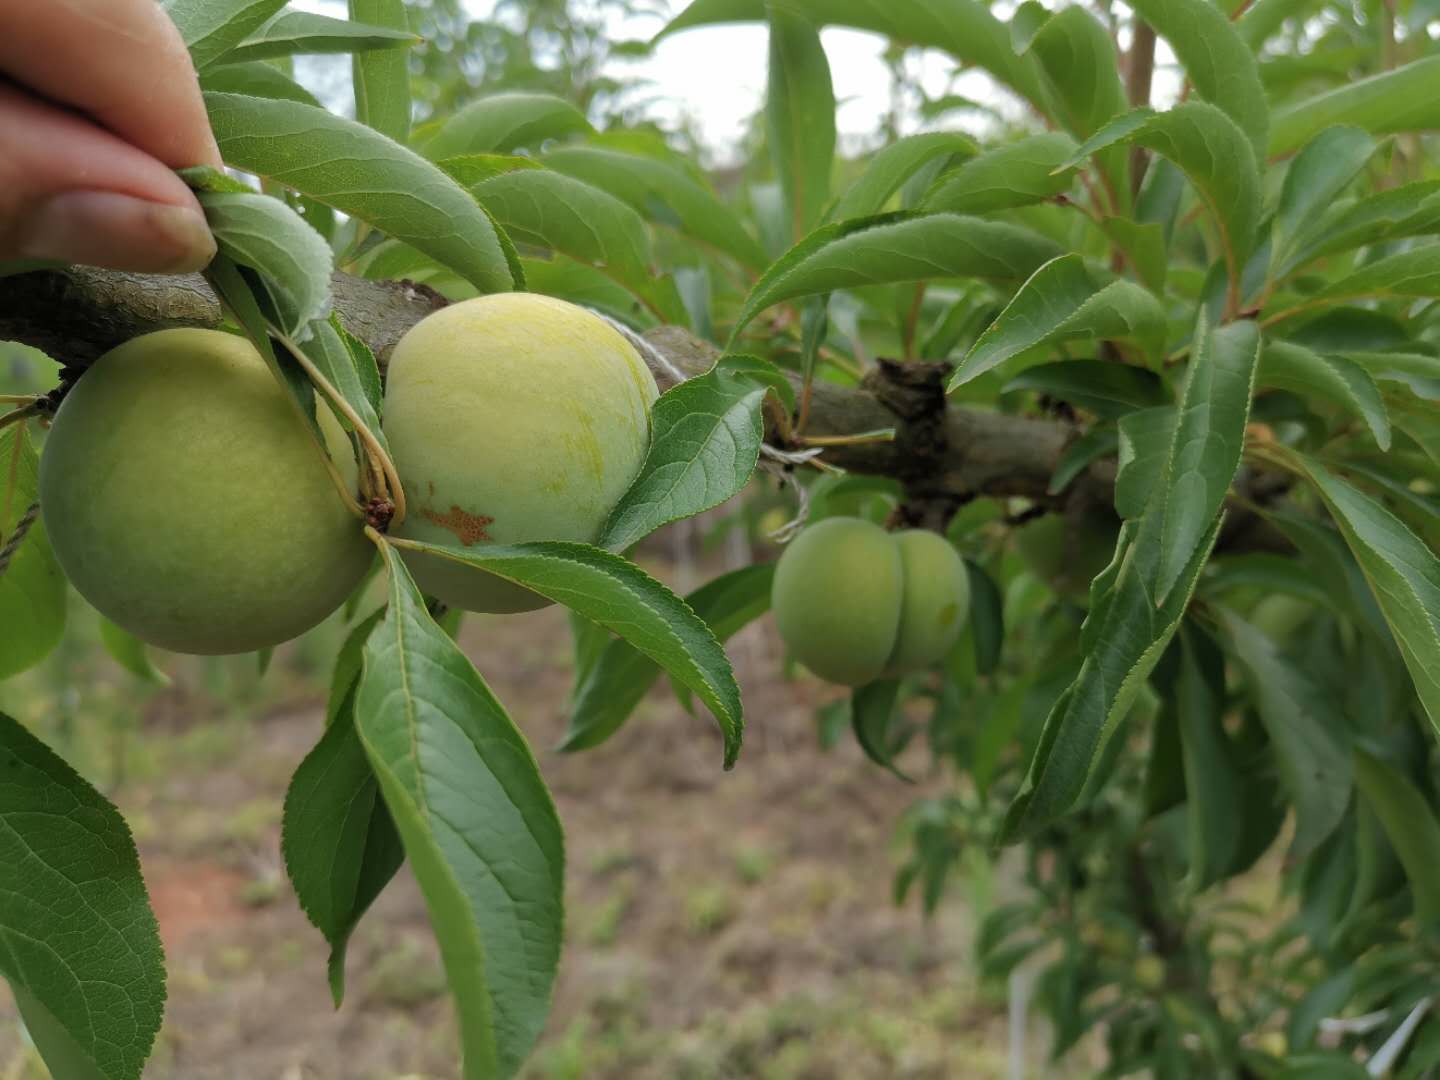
1403,574
963,28
872,712
361,173
1107,389
1410,823
1145,438
256,80
1031,170
1409,210
1407,273
1124,636
1317,176
894,248
291,262
1334,379
664,194
1417,373
581,284
348,663
762,371
32,588
81,942
339,841
382,77
622,676
294,32
503,123
1078,56
1063,301
1209,439
1212,778
1218,61
479,827
705,439
1212,151
892,167
130,653
1262,18
211,28
800,116
1399,100
552,210
620,596
1099,442
1312,744
987,619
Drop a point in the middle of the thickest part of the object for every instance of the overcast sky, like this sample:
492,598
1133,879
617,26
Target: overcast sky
717,75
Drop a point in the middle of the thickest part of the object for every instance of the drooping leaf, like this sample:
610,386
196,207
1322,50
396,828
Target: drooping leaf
1217,60
987,619
318,153
291,262
1209,438
382,77
1400,100
1312,742
872,715
1403,573
292,32
478,826
131,653
800,116
503,123
1078,56
895,248
1212,152
32,587
614,685
1332,378
662,193
82,949
617,594
211,28
1411,825
705,439
339,840
1108,389
1416,373
1063,301
1031,170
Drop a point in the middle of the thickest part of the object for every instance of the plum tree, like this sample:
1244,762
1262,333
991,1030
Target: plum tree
853,602
186,501
1067,552
512,417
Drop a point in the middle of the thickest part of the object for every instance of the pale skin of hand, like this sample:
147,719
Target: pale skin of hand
99,104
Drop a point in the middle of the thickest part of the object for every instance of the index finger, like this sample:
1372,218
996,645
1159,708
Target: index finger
121,62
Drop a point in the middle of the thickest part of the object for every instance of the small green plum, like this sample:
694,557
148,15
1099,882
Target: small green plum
512,417
187,502
1280,615
935,603
837,598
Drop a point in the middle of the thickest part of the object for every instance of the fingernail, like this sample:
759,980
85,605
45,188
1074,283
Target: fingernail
118,232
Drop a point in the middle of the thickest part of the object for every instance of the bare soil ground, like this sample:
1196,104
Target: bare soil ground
720,924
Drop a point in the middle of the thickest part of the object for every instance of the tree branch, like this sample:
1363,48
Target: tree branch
941,452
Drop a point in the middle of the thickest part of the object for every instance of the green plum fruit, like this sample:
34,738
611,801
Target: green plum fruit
187,502
935,601
512,417
1280,615
1068,552
854,602
837,597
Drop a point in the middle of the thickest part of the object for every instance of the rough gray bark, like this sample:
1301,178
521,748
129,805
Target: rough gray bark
942,454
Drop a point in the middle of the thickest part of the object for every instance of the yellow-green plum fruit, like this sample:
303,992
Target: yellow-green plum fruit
837,598
935,600
1068,552
187,502
511,418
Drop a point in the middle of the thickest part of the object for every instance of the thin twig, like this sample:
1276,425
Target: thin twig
16,416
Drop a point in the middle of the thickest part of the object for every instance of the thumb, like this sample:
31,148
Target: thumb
75,193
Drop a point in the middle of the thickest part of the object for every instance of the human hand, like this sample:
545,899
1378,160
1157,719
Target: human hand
98,104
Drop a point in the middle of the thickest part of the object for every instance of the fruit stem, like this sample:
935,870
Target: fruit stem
16,416
374,452
18,399
864,437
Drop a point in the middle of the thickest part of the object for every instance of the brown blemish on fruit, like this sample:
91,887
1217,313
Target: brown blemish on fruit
468,528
